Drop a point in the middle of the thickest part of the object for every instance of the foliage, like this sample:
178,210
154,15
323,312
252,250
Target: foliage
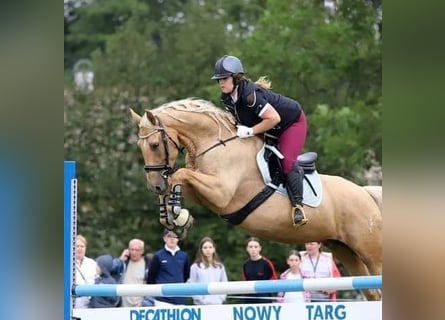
347,138
127,60
317,56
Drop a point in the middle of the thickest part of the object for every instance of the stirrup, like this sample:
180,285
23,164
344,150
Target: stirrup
303,221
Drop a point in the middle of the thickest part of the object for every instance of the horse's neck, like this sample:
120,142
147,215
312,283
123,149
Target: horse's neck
199,133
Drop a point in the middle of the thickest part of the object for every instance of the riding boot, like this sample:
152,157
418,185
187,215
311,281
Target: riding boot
294,186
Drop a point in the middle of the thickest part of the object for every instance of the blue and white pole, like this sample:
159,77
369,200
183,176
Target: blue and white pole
232,287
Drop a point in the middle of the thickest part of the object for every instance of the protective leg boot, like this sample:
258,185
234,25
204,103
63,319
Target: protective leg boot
294,186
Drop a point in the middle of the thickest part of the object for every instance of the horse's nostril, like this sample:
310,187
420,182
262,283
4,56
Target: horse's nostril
158,189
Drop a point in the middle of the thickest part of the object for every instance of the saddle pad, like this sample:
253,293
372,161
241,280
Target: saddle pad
309,198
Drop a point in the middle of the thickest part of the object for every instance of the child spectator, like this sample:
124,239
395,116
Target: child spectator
208,268
104,265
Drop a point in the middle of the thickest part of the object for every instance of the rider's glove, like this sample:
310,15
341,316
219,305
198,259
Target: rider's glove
244,132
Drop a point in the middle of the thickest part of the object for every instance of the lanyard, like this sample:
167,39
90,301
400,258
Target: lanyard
314,266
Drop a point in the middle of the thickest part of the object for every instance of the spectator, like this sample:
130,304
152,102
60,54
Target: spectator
169,265
208,268
318,264
132,268
104,266
257,267
85,270
293,272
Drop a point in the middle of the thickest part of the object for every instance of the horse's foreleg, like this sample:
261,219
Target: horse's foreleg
164,218
206,189
171,221
181,217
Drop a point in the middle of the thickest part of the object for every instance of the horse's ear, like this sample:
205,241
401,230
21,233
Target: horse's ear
150,116
135,117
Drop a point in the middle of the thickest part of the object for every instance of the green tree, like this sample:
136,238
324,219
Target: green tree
317,56
90,24
129,60
347,138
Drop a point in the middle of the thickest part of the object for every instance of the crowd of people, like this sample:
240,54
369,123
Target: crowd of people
170,264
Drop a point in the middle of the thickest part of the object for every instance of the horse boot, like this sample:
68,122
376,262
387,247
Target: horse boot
294,187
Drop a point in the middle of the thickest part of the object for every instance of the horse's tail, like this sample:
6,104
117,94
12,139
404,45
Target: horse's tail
376,192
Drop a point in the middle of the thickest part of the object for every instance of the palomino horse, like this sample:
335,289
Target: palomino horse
221,174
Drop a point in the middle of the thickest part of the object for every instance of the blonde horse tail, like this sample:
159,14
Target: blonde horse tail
376,192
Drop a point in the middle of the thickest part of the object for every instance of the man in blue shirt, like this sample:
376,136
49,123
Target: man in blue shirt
169,265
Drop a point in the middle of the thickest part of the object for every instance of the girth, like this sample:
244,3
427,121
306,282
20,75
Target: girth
239,216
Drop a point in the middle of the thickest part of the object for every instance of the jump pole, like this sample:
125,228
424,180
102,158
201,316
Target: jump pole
231,287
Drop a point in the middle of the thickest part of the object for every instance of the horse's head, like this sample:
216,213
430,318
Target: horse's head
159,148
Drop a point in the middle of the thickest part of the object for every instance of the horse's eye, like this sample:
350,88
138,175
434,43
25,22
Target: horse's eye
154,145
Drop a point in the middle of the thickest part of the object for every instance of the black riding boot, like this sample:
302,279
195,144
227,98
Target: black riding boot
294,186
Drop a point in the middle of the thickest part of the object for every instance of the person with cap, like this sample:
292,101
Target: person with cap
169,265
257,109
103,269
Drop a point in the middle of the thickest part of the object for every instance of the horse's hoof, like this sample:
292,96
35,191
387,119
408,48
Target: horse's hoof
180,232
184,219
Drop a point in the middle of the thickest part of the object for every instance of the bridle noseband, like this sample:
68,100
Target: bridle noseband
165,169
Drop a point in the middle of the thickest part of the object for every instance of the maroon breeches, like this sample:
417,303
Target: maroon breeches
292,142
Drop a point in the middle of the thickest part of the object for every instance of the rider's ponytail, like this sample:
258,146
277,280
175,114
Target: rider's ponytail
263,82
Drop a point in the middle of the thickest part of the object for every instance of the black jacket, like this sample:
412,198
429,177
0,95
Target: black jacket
252,99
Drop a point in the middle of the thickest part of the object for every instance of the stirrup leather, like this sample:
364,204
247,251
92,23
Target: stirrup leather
303,221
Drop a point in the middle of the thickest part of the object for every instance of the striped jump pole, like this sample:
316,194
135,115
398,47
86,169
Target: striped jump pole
232,287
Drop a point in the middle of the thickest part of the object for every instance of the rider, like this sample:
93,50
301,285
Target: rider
257,110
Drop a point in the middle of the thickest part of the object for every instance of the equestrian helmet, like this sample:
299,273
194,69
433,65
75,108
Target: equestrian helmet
227,66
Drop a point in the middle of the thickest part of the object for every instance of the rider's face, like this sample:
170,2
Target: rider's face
226,85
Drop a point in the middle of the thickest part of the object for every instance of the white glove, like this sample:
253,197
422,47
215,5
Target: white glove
244,132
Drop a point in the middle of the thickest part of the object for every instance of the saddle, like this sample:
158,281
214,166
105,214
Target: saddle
268,161
272,156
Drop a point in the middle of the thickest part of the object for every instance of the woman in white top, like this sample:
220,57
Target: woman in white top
208,268
293,261
85,270
318,264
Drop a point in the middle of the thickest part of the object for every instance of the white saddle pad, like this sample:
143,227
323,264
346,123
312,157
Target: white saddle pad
309,197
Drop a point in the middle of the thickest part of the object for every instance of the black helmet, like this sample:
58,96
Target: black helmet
227,66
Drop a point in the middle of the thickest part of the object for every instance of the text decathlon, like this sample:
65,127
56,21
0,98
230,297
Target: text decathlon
326,312
256,313
166,314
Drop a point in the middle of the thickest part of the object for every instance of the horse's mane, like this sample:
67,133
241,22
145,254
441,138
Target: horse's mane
196,105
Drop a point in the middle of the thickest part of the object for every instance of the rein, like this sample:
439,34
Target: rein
165,169
220,142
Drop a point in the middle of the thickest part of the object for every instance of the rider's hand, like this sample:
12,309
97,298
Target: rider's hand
244,132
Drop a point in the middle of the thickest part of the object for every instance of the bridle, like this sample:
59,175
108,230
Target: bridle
165,169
